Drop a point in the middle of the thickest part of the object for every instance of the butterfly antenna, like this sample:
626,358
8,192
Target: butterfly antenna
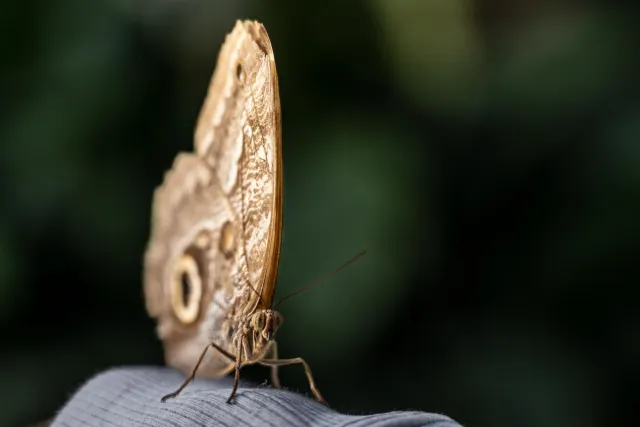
306,288
257,293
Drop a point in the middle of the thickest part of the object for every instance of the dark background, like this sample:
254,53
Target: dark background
486,153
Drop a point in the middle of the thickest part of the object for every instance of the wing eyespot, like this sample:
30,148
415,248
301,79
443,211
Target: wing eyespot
240,73
186,290
227,241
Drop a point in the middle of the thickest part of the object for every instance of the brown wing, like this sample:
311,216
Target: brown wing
248,156
189,216
217,222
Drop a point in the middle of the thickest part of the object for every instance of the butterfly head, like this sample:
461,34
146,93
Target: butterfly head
265,323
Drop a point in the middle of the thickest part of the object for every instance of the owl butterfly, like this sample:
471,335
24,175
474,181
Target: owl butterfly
212,260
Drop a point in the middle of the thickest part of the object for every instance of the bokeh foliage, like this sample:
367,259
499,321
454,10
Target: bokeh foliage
485,152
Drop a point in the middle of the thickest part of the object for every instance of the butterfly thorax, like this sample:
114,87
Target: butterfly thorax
254,334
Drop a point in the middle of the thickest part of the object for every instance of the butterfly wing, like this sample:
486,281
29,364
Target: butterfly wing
248,159
216,220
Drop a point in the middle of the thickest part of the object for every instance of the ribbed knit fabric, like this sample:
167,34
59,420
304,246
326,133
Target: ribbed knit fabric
131,397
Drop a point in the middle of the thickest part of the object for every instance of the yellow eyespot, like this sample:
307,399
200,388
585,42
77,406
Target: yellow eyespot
186,289
227,240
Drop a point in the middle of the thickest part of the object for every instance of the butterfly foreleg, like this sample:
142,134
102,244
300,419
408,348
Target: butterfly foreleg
243,349
273,355
195,369
307,370
236,377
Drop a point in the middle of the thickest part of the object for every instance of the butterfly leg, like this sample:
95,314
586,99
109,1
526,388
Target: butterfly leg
275,379
236,377
195,369
307,370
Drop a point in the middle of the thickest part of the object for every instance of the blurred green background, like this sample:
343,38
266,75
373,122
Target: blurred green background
486,153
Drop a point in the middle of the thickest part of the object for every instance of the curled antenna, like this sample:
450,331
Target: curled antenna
306,288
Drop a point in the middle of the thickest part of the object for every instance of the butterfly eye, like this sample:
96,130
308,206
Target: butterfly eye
258,321
239,72
186,290
277,320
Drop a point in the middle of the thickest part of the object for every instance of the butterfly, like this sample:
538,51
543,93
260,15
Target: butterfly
212,260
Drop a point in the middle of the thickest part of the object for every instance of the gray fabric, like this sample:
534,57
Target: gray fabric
131,397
